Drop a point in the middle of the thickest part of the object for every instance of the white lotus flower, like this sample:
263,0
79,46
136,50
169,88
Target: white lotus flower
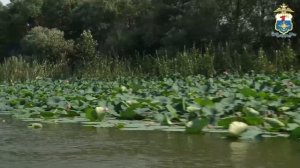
189,124
123,88
38,78
101,111
131,102
35,125
192,108
236,128
284,108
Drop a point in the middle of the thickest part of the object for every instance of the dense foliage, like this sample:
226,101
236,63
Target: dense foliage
46,43
165,45
270,103
237,32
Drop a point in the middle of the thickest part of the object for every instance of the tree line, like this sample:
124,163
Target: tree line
81,30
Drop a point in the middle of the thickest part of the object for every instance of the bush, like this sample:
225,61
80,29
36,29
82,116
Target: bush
262,64
85,53
207,62
285,58
188,62
43,44
107,67
18,69
224,61
86,48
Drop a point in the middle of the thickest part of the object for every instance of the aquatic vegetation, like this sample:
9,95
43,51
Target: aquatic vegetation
194,104
196,126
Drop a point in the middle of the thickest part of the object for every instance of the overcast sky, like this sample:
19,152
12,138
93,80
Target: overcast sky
4,2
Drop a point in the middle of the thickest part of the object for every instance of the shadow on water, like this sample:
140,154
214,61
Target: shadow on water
74,146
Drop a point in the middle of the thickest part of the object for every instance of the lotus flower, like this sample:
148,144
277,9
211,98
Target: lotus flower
237,128
192,109
189,124
35,125
38,78
123,88
284,108
101,111
130,102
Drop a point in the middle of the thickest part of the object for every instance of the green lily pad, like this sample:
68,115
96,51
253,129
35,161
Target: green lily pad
91,114
252,133
295,134
225,122
195,126
56,101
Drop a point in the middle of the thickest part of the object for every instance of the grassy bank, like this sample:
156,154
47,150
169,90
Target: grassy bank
209,62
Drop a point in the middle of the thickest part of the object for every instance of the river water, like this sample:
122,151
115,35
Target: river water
75,146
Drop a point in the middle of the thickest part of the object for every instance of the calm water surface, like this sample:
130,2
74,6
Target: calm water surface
74,146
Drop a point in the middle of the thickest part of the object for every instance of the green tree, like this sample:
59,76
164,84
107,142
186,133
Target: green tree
94,16
23,15
154,27
286,58
45,44
262,64
4,35
86,48
58,14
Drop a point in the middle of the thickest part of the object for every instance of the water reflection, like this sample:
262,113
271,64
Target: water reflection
74,146
239,153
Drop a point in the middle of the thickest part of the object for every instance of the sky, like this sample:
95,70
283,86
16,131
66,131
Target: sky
4,2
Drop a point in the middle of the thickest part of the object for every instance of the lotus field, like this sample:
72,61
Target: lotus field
247,106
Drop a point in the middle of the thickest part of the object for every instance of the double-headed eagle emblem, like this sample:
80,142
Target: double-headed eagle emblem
284,17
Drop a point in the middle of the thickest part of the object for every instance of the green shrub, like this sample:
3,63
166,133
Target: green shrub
246,60
223,58
190,62
86,48
17,68
285,58
207,62
43,44
106,67
262,64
